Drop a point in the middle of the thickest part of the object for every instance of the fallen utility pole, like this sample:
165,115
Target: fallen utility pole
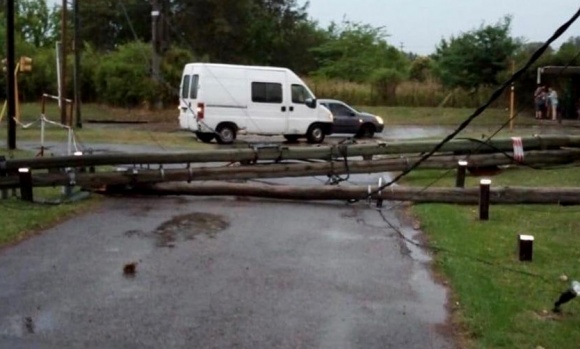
133,176
279,152
503,195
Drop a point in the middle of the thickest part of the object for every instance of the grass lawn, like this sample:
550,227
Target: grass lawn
446,116
500,301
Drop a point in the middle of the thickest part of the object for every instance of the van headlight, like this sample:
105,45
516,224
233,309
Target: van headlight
379,120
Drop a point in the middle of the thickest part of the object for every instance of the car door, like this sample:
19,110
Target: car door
345,120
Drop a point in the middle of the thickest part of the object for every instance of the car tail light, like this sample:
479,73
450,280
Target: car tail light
200,110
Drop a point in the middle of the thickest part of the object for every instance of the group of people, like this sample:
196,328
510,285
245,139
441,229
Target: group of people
546,100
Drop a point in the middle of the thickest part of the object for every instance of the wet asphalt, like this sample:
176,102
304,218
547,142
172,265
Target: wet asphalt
223,273
252,274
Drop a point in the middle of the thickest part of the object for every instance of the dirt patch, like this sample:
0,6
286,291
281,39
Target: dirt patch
189,226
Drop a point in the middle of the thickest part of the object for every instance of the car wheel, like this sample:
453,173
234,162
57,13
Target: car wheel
366,131
205,137
291,138
315,134
226,134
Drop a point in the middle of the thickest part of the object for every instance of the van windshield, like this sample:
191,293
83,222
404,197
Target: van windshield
300,94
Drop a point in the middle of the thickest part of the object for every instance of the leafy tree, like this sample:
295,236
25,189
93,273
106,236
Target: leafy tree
420,68
37,23
568,52
107,24
353,51
475,58
123,78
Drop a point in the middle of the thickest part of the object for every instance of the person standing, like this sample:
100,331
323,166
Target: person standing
553,98
540,101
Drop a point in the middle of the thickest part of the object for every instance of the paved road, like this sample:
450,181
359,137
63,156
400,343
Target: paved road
221,273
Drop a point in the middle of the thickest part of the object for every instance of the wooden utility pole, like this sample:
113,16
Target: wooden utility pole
62,92
10,75
137,175
280,153
512,98
501,195
156,42
77,66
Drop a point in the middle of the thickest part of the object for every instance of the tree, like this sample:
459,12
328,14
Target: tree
420,68
353,51
36,22
475,58
107,24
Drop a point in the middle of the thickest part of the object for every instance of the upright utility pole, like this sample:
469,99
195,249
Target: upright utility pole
155,41
63,118
77,67
10,74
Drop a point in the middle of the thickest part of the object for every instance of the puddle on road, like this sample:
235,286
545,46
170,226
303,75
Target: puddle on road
187,227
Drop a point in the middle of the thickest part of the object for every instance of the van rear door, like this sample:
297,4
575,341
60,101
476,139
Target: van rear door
188,100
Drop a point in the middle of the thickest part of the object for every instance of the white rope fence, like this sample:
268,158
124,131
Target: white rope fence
72,146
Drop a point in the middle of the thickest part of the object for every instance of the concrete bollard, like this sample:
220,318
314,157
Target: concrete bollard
484,185
460,180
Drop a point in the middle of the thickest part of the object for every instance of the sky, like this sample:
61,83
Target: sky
419,25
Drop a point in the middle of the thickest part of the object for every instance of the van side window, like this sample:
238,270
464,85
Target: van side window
266,92
194,86
300,94
185,86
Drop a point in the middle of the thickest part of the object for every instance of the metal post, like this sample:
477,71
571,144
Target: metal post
25,178
10,77
484,185
58,72
460,180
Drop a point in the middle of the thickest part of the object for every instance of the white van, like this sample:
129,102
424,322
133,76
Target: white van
219,101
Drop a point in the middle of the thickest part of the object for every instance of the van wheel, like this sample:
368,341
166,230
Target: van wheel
315,134
291,138
205,137
226,134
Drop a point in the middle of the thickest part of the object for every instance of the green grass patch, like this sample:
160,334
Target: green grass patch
445,116
22,219
502,302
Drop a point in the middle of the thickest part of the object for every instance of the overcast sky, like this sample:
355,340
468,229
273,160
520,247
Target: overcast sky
419,25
